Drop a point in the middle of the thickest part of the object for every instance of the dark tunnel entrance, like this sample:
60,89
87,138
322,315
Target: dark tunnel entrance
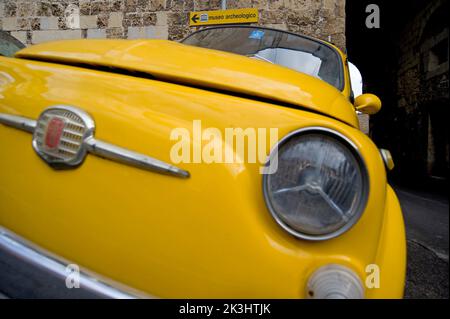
405,63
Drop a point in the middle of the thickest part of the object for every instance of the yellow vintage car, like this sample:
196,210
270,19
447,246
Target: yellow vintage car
96,202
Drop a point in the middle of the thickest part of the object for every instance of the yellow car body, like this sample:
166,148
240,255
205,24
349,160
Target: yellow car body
208,236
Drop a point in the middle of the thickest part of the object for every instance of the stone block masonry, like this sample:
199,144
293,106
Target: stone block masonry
33,21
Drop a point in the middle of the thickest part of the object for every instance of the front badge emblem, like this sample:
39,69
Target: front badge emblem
60,134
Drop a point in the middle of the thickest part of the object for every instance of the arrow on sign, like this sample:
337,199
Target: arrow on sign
195,18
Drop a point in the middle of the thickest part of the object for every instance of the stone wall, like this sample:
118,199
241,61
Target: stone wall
422,88
415,43
39,21
411,77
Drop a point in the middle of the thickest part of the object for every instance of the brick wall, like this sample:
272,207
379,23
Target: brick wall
39,21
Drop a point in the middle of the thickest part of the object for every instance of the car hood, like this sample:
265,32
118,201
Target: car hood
200,67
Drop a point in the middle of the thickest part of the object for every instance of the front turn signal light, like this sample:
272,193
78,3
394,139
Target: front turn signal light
387,159
334,282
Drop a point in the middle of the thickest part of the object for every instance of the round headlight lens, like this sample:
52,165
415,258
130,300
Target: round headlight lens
320,187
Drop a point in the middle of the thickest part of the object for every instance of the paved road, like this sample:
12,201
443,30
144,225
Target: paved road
426,218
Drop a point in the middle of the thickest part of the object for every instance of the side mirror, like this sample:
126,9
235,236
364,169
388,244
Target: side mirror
367,103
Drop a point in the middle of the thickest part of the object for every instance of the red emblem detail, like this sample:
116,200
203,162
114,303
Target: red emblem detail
54,132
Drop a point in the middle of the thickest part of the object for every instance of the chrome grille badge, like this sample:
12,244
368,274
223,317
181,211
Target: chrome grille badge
60,134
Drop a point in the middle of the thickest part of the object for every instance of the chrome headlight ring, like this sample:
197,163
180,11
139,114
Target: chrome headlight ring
361,197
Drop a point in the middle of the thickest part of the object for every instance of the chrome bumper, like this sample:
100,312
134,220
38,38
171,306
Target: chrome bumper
28,271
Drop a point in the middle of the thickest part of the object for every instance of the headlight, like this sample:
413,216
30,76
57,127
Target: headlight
320,187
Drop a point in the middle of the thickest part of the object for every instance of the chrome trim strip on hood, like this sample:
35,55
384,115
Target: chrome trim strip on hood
104,149
127,157
19,122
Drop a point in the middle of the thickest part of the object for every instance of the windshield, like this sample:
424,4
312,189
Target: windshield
283,48
9,45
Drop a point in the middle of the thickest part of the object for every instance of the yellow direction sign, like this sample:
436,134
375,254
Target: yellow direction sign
233,16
